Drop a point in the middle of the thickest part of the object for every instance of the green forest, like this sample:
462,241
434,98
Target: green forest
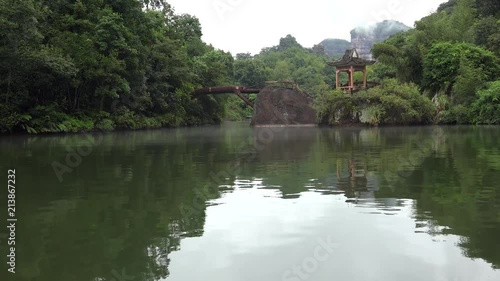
73,66
69,66
444,71
451,56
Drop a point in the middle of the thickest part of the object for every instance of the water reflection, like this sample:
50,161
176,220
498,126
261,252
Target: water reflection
236,203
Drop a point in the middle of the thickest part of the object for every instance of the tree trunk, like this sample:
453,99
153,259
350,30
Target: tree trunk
8,86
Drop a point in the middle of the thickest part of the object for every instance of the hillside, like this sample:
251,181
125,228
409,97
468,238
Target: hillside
335,48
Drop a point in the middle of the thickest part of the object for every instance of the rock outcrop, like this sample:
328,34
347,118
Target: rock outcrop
283,106
363,38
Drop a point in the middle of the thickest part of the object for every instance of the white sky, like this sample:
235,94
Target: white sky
241,26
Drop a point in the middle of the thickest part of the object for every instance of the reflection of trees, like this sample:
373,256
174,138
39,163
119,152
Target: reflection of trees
454,176
453,173
120,209
363,155
462,192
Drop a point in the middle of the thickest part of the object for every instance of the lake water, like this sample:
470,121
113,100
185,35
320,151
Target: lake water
236,203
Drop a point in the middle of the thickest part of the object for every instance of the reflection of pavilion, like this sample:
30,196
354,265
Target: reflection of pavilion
354,179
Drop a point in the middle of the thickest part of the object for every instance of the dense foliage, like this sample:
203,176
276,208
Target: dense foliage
69,66
79,65
391,103
453,56
286,61
447,71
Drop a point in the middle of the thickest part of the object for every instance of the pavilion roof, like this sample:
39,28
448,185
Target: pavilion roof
351,57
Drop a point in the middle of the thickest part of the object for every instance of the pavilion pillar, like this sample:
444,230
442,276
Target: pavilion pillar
351,78
337,79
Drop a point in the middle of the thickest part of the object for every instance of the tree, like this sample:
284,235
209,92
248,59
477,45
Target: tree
487,33
249,72
488,7
76,65
288,42
486,109
442,64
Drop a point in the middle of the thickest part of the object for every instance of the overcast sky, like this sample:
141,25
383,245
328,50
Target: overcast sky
241,26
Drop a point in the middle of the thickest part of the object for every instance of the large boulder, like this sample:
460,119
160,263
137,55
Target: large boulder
283,106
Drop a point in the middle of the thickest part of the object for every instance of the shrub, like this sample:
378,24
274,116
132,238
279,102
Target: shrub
125,119
48,119
486,109
10,120
390,103
458,114
105,125
74,124
334,107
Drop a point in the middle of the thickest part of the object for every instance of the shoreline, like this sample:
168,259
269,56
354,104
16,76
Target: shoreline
321,126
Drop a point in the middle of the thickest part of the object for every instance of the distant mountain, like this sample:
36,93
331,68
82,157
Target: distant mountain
363,38
335,48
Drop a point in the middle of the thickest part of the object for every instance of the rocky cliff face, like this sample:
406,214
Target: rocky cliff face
282,106
363,44
363,38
